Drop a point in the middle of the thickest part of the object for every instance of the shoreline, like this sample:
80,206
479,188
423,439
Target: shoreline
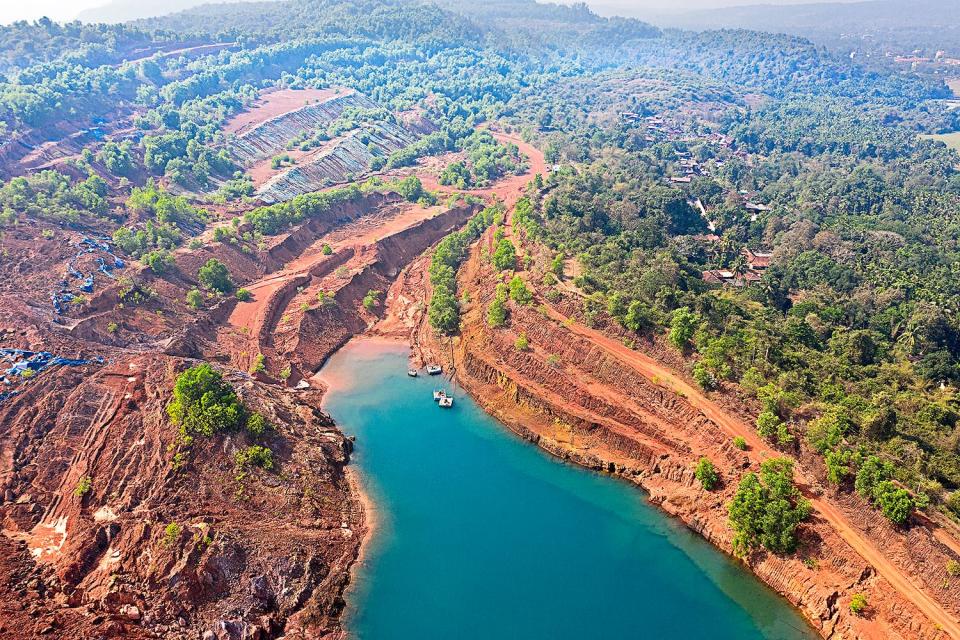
516,426
370,519
369,514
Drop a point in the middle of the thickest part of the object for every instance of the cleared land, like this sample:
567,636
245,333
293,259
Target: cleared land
276,103
954,86
952,140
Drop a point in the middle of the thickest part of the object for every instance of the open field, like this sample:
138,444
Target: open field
954,85
952,140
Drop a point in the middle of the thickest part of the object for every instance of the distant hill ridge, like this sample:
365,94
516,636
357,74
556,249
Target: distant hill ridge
127,10
822,16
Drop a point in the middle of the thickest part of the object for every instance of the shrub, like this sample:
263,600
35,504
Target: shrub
255,456
838,464
112,327
222,234
256,424
410,188
519,292
683,323
872,472
286,372
259,364
171,533
195,298
953,568
767,509
703,377
953,503
767,424
327,250
160,261
83,486
740,443
497,311
522,343
244,295
858,604
707,474
203,403
505,255
372,300
215,276
894,502
828,431
326,299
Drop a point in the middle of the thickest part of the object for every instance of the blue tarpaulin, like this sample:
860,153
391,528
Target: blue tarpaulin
35,362
104,265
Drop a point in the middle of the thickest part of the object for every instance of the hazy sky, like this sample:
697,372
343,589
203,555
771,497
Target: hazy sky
61,10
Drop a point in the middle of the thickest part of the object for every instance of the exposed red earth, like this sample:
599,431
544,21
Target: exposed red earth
278,102
101,563
626,411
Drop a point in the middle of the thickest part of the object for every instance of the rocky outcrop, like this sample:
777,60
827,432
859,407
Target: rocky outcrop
163,546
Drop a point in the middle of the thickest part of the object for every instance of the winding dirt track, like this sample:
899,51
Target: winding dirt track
654,371
758,449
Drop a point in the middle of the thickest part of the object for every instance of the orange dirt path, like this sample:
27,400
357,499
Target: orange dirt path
660,374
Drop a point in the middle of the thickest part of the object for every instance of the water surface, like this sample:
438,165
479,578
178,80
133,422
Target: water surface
480,535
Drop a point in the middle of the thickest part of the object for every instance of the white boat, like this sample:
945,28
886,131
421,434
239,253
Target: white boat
412,373
439,394
434,369
446,402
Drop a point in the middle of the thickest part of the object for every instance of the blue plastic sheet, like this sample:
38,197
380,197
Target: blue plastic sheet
105,265
35,362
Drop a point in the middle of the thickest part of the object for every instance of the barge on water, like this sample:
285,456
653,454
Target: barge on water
440,396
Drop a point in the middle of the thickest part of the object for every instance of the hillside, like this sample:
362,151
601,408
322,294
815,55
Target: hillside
719,264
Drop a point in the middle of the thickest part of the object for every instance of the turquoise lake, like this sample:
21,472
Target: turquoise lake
481,535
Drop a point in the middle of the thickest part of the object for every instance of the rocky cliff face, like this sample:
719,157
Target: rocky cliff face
107,533
578,402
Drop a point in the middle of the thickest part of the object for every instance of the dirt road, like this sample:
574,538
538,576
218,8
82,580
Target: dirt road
758,450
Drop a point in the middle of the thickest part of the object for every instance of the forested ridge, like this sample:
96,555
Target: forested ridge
677,154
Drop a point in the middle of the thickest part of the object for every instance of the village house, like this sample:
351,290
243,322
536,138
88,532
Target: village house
758,260
729,278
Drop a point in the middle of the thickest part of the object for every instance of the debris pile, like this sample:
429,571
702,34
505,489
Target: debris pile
105,265
27,364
